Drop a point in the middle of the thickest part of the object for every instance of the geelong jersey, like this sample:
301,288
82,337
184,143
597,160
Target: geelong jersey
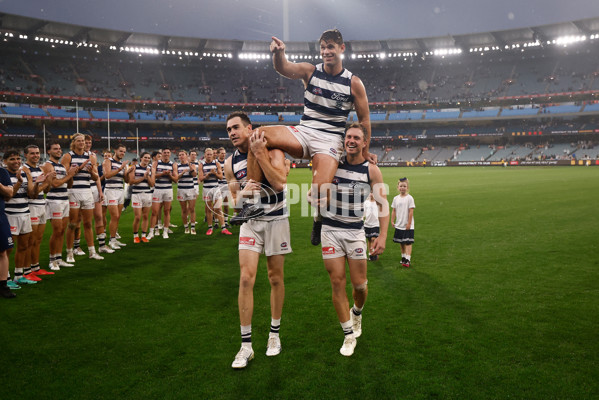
349,191
117,181
81,180
327,101
274,203
35,172
185,179
211,182
143,186
195,178
19,203
222,181
58,193
164,182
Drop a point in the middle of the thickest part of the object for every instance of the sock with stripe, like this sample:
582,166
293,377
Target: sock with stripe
246,335
275,325
347,327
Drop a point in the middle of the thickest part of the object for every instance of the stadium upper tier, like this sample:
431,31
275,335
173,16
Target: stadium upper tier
32,67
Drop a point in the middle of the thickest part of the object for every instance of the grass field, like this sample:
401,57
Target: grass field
501,302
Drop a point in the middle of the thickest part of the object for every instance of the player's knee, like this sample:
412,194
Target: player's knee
71,226
361,287
275,279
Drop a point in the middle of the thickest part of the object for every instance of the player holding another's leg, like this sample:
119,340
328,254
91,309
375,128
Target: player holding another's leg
331,92
268,234
343,237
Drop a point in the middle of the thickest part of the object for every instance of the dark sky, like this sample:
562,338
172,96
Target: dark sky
260,19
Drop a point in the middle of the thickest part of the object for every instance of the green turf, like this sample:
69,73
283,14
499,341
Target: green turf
501,302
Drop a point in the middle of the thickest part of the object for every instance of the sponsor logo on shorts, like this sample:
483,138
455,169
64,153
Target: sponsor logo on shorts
328,250
294,129
73,204
13,229
284,245
359,250
155,199
247,241
179,197
35,220
135,204
112,201
57,214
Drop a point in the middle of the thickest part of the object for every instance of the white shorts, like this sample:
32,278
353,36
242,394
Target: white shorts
20,224
268,237
343,243
141,200
95,193
113,197
162,195
186,194
224,190
83,200
211,194
317,142
57,209
196,187
37,214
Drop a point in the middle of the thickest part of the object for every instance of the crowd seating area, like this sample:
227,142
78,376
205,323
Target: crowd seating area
84,72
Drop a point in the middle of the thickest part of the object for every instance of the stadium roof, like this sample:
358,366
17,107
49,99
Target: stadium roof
31,27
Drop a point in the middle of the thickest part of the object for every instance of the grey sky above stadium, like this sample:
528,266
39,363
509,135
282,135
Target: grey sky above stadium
260,19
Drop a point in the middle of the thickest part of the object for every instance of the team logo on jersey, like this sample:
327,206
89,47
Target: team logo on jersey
247,241
328,250
241,174
317,91
335,180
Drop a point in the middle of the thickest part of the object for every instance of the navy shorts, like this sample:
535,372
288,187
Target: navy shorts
371,232
6,241
404,236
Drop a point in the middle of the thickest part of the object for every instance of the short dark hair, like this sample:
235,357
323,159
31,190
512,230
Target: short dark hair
154,154
10,153
52,143
119,145
244,117
331,34
143,154
31,146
